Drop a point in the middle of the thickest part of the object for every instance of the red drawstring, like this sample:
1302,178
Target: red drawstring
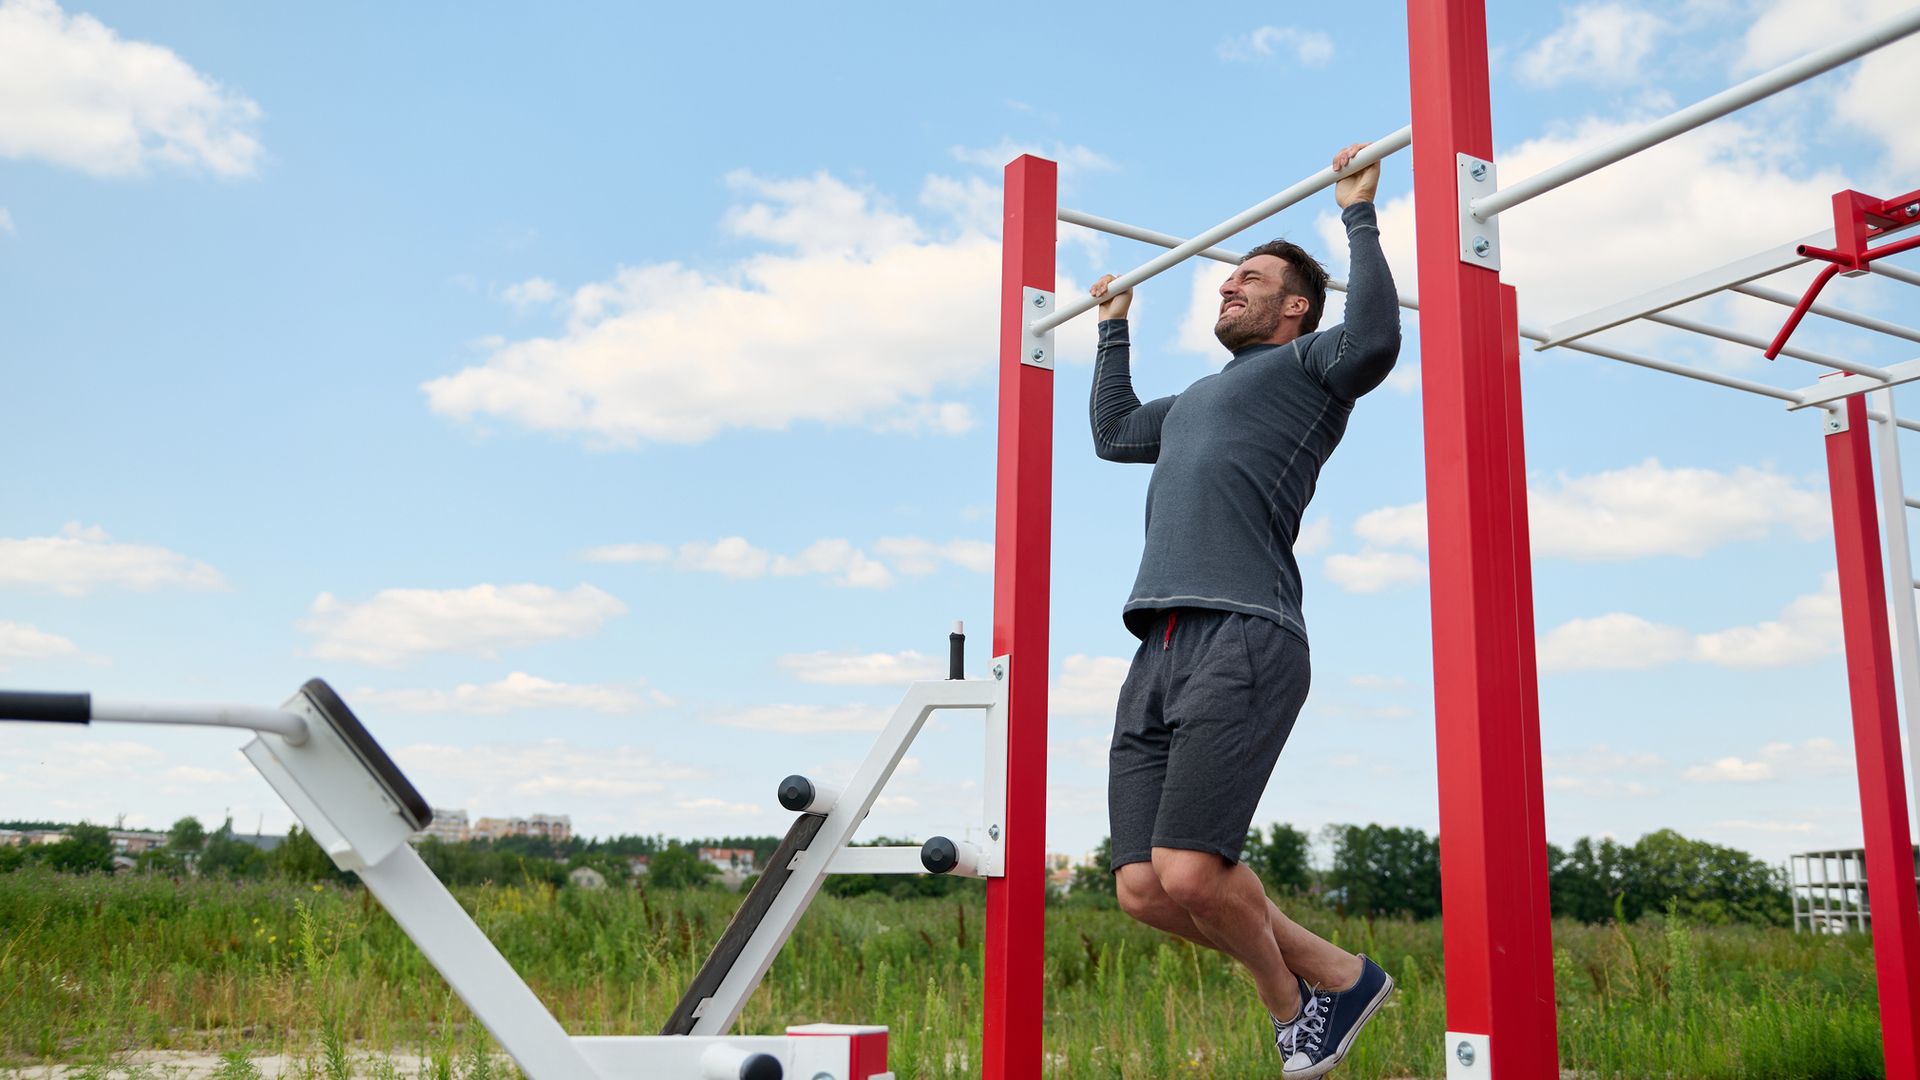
1166,642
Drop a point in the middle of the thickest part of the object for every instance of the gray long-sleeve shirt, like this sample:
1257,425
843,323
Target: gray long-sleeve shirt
1236,455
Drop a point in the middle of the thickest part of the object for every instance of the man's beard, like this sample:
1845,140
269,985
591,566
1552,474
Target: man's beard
1254,323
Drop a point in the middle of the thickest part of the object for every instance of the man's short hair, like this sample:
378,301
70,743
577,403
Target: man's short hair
1305,277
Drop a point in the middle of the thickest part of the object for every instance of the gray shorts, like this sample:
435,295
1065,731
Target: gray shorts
1205,710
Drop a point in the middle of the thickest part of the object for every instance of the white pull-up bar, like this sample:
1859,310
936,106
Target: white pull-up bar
1246,219
1713,108
1828,311
1531,333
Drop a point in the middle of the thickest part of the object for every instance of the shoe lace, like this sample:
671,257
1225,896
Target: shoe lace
1309,1030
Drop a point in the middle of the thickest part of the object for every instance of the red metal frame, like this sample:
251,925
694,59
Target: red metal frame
1857,218
1492,828
1023,544
1876,741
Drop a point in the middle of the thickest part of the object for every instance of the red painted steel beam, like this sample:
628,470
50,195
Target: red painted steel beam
1492,849
1876,741
1023,544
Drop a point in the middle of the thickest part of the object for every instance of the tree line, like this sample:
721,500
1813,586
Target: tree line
1371,870
1386,871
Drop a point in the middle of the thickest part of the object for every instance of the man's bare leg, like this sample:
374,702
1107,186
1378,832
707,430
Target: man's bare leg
1230,910
1315,959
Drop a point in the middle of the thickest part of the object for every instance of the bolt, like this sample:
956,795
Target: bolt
1478,171
1039,301
1039,354
1464,1052
823,1076
993,832
1913,209
1481,245
999,671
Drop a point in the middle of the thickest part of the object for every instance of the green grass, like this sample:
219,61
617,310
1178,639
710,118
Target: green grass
94,967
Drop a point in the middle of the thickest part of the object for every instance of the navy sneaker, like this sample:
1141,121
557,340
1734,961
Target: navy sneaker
1315,1041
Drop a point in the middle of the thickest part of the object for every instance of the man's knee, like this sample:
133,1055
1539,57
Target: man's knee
1192,879
1138,889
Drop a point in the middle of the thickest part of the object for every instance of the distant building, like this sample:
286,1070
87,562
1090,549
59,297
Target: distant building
637,865
12,838
447,826
555,827
1060,871
735,864
129,842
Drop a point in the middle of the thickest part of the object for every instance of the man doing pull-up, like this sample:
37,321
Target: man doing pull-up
1222,668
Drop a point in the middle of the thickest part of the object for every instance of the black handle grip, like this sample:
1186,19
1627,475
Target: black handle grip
46,708
956,656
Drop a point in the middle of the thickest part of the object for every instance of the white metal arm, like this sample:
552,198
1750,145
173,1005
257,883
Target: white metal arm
1726,101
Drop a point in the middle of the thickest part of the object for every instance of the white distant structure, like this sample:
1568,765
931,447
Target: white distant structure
453,827
447,826
735,864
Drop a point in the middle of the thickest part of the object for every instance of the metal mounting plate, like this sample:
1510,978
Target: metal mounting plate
1479,240
1036,351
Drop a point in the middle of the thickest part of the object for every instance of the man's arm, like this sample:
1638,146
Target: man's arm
1123,428
1358,355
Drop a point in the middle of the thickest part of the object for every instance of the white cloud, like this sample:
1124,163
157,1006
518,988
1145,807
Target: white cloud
1616,642
835,558
531,293
401,624
1729,770
73,92
6,220
19,641
731,556
82,559
1394,526
517,691
1598,43
1599,787
1072,158
502,778
863,669
1795,827
816,332
629,553
1635,512
1378,682
1374,571
1601,758
803,719
1087,685
838,560
1862,93
709,807
1808,629
1314,537
1309,48
918,555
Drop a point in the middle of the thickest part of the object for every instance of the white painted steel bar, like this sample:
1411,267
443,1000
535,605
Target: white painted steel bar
1827,311
722,1009
1534,333
1531,333
1246,219
1899,556
1833,389
1913,502
1738,272
1897,273
250,717
471,964
1726,101
875,860
1737,337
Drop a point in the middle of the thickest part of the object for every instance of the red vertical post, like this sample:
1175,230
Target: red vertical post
1876,740
1022,554
1486,710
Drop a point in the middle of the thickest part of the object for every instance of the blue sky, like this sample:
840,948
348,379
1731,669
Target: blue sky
602,399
